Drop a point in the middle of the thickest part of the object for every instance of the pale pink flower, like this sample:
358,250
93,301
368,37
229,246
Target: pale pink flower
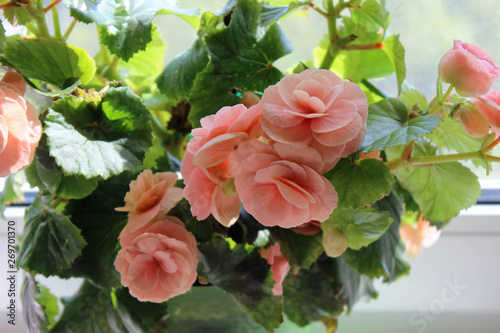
20,128
280,185
279,266
318,109
416,237
469,68
206,164
210,191
159,262
150,196
489,106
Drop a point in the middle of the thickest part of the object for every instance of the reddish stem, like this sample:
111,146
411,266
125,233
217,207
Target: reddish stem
52,5
9,5
375,46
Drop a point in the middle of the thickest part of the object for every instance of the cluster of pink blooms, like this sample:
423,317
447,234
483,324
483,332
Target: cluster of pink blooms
472,71
20,129
418,235
271,157
158,258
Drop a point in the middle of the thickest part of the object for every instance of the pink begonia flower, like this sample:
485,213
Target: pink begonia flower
489,106
473,122
159,262
206,164
150,196
280,185
20,128
469,68
210,191
318,109
416,237
279,266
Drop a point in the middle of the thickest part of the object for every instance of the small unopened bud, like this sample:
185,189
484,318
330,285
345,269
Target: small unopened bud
334,242
249,99
473,121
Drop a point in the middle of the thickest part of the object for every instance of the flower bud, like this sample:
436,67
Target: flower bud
469,68
472,121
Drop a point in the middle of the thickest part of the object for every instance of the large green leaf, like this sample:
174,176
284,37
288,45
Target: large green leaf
313,294
300,250
51,242
49,304
357,65
95,310
355,286
3,39
100,224
370,14
242,56
388,125
99,140
362,226
127,24
441,190
178,77
140,70
246,276
384,257
351,179
396,52
450,134
195,312
50,60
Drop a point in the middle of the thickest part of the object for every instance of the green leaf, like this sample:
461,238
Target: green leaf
242,57
357,65
354,285
396,52
362,33
194,313
49,303
92,310
441,190
78,10
312,294
300,250
50,60
361,226
51,242
370,14
384,257
127,24
140,70
3,39
414,98
58,93
17,15
11,192
100,224
361,183
246,276
177,79
388,125
450,134
99,140
274,13
132,38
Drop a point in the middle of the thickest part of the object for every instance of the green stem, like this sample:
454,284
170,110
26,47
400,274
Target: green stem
104,49
492,158
373,89
333,48
43,31
57,26
439,104
400,162
31,28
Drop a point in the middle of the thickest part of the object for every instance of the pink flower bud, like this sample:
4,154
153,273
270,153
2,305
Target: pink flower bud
489,106
472,121
469,68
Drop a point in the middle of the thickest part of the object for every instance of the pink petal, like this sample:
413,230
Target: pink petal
4,134
339,115
16,80
218,149
224,209
294,193
148,244
143,272
341,135
166,263
300,154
